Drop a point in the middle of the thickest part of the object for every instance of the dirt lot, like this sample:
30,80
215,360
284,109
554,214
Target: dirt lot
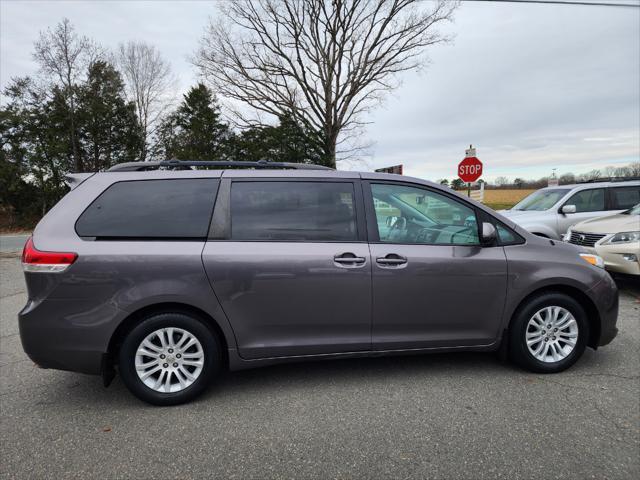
498,199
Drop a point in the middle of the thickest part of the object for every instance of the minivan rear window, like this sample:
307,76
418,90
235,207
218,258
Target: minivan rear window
293,211
160,209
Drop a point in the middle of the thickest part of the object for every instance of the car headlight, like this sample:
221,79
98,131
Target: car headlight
567,236
625,237
591,259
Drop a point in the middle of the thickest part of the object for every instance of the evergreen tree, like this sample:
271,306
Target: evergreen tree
34,136
286,142
109,130
17,197
35,148
457,184
195,130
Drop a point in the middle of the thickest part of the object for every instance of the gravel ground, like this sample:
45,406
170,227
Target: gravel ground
436,416
12,243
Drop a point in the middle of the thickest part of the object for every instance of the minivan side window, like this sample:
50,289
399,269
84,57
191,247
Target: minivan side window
623,198
508,236
588,200
151,209
293,211
407,214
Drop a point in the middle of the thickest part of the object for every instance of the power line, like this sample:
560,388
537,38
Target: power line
564,2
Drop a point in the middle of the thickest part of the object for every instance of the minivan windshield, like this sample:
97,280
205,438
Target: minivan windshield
541,200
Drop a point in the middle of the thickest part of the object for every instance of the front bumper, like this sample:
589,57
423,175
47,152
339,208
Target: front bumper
605,297
613,256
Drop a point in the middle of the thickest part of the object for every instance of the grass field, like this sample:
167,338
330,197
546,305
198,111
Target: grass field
500,199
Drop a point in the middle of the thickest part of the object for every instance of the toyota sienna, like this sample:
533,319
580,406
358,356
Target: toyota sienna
169,272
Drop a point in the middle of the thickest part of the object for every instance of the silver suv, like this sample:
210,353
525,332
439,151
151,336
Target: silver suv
549,212
167,275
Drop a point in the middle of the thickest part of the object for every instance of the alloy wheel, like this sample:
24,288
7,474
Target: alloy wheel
552,334
169,360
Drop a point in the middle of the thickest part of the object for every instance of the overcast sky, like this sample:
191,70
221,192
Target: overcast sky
533,87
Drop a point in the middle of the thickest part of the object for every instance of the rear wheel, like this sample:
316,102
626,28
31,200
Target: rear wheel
169,359
549,333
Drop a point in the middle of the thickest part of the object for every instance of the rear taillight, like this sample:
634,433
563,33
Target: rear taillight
34,260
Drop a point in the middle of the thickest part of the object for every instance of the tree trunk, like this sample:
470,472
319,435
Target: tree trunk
143,149
77,161
74,145
329,149
96,156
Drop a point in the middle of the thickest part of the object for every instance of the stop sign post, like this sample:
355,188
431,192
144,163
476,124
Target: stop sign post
470,169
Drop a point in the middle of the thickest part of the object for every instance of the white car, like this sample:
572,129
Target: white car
615,238
549,212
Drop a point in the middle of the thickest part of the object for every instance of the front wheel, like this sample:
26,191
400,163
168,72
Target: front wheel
549,333
169,359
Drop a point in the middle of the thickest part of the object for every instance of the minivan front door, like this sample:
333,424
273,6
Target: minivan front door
294,274
434,285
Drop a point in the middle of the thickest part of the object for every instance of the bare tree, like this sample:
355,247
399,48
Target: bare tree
324,62
567,178
591,175
501,181
633,169
148,79
622,172
64,54
610,171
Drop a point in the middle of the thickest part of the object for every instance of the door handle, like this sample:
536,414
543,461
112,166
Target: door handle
391,260
349,260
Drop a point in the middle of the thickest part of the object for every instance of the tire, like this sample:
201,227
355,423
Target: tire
560,353
187,369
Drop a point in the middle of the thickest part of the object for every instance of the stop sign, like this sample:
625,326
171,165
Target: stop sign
470,169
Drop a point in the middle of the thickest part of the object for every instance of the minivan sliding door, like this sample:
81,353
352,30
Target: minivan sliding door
290,266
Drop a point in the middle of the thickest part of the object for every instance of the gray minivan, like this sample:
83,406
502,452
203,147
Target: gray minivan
168,272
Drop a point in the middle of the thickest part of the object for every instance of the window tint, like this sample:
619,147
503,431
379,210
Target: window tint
588,200
623,198
414,215
508,236
178,208
293,211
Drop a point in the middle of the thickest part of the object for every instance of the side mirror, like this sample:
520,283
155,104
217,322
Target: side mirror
489,234
568,209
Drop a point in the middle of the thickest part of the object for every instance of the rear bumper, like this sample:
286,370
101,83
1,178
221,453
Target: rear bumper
73,361
605,297
66,335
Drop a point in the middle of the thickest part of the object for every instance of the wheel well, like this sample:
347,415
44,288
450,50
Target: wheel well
593,316
540,234
133,319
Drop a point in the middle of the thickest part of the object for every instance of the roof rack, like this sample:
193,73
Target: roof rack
611,179
187,164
